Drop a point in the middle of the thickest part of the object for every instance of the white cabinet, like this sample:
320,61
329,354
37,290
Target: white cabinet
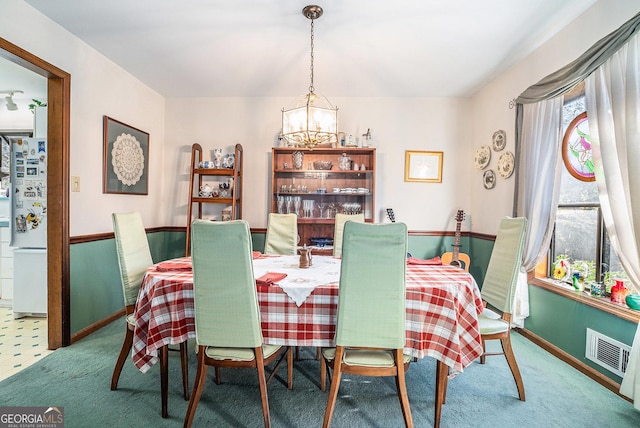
29,282
6,263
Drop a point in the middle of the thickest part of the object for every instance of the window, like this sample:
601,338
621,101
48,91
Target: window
579,234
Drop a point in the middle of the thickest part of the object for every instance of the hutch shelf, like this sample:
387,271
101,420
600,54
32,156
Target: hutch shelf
304,183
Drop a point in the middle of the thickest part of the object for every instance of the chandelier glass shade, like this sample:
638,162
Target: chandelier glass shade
314,120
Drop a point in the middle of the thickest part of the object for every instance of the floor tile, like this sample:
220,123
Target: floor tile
22,342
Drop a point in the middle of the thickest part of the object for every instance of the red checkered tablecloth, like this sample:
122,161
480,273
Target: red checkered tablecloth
164,312
443,304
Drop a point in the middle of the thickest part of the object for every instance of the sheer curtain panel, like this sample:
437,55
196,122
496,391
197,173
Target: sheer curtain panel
613,109
539,166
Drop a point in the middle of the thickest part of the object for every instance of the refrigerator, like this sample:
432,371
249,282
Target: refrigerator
29,226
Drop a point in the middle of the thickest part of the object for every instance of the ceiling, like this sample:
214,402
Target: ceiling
260,48
15,77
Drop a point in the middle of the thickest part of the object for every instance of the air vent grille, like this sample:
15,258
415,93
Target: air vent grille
607,352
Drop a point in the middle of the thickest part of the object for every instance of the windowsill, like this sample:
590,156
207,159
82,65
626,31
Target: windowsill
602,303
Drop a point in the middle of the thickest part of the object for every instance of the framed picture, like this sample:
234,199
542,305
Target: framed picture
125,160
423,166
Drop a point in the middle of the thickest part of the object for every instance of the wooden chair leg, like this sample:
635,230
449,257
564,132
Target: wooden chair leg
184,362
164,379
401,386
288,354
290,368
323,374
513,365
333,391
484,352
198,384
262,381
441,391
218,377
122,357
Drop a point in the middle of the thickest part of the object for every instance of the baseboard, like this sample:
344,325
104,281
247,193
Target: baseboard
96,326
573,362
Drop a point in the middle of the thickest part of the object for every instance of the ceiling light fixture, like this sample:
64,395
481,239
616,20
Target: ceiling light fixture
314,120
11,105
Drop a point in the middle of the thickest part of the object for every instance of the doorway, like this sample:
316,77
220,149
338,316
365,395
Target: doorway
58,118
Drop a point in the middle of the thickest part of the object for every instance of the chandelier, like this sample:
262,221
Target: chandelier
314,120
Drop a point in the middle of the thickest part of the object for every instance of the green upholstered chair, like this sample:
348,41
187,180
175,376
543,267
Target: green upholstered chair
370,329
282,234
338,230
134,257
499,291
227,316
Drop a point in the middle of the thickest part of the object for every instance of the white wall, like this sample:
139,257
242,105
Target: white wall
491,110
455,126
397,124
98,87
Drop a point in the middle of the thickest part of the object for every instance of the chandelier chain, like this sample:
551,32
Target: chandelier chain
311,88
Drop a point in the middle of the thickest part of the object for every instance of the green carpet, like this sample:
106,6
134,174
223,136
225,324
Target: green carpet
78,378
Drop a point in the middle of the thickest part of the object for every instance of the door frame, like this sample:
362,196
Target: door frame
58,126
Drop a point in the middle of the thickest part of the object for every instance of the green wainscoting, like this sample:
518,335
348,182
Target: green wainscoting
95,280
480,255
96,292
166,245
257,240
564,322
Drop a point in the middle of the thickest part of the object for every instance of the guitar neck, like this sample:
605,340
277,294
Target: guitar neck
456,242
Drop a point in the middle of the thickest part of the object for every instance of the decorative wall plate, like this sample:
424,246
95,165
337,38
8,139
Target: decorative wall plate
482,157
489,179
499,140
506,163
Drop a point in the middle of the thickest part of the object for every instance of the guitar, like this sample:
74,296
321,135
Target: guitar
455,257
391,215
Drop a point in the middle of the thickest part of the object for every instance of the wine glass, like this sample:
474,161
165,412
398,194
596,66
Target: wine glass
296,205
280,204
287,202
307,208
332,210
322,206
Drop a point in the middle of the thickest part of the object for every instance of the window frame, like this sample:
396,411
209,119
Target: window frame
602,257
602,240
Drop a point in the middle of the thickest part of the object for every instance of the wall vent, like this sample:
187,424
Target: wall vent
607,352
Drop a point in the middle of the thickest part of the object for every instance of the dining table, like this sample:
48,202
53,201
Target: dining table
298,307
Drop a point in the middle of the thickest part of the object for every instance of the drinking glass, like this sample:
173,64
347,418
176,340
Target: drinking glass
296,205
322,206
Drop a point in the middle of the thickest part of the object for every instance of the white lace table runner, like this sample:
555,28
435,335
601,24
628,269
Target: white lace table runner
299,283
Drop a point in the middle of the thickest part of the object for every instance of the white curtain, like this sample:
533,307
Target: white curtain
613,108
539,165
